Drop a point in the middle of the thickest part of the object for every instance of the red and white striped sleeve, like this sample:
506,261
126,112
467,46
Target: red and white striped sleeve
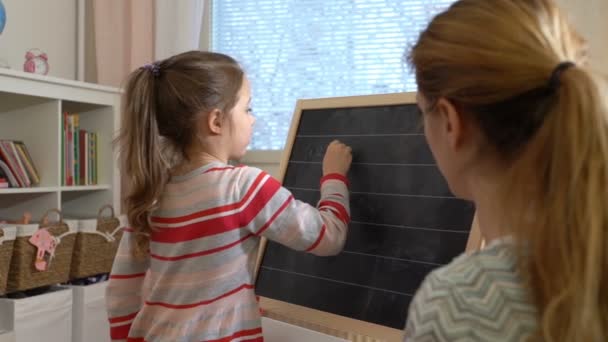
273,212
124,291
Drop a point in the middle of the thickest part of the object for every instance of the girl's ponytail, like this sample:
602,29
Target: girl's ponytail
142,153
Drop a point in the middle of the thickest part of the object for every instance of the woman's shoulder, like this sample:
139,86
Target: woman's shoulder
479,295
499,259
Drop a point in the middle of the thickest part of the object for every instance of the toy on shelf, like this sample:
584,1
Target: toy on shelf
36,62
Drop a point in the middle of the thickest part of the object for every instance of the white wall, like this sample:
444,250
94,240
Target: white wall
588,18
178,26
269,161
49,25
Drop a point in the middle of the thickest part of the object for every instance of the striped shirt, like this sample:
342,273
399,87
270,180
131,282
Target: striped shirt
197,283
477,297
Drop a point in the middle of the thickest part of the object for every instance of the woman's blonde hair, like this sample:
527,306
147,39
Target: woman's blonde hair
162,104
497,60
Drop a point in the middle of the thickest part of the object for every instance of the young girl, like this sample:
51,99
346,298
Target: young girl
519,125
184,271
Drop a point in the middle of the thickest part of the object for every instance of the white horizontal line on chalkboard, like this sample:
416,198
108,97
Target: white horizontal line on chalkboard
393,258
378,193
410,227
372,164
338,281
357,135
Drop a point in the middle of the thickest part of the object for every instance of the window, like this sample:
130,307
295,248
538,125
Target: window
295,49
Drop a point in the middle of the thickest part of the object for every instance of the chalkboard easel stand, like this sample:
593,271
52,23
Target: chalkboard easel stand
324,322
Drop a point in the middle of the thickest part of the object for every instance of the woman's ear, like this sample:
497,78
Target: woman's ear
214,122
453,125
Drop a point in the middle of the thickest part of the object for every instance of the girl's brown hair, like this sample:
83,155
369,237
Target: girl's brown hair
162,104
495,60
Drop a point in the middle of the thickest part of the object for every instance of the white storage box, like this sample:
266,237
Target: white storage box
90,313
46,317
7,336
277,331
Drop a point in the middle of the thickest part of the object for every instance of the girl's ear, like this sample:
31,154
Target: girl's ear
214,122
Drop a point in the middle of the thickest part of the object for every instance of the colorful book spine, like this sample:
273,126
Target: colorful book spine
91,157
79,153
28,162
6,172
95,158
76,149
64,175
10,159
70,151
16,165
82,157
20,166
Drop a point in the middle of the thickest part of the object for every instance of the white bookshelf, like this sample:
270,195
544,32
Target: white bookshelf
31,110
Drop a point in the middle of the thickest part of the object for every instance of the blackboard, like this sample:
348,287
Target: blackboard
404,220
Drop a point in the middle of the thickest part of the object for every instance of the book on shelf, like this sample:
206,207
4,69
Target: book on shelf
7,157
82,156
27,160
79,157
76,145
5,172
17,167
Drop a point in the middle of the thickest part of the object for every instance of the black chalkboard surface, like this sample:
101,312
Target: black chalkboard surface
404,220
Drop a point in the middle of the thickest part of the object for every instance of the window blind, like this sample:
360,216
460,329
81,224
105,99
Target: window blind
295,49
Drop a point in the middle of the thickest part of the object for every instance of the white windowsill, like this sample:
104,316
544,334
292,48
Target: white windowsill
262,157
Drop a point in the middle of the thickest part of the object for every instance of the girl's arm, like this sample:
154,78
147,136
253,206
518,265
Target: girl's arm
272,212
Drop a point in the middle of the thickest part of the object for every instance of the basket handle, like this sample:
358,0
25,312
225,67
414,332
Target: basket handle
107,206
45,216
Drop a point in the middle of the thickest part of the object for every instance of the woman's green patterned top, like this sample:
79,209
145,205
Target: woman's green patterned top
477,297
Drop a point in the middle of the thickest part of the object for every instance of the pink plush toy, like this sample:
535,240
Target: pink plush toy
45,243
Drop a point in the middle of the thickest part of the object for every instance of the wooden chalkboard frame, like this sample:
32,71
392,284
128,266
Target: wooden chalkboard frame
332,324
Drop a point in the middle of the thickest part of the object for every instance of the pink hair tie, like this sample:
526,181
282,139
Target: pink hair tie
153,67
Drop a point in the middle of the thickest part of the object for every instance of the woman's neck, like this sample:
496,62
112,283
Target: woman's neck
490,224
489,211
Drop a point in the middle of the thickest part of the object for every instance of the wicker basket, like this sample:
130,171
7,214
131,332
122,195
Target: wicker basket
22,274
96,244
7,240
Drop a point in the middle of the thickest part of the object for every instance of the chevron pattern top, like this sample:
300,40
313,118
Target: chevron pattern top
477,297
